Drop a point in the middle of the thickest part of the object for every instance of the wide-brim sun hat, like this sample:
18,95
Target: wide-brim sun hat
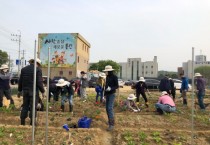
164,93
103,75
37,60
142,79
61,83
108,68
197,75
4,66
131,97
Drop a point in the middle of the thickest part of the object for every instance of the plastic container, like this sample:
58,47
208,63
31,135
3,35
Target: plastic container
84,122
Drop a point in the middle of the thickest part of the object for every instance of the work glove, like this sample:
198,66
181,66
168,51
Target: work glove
108,89
139,110
39,106
19,94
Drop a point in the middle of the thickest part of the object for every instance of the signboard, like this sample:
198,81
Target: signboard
62,49
18,62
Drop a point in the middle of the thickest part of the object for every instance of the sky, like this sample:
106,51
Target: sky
116,29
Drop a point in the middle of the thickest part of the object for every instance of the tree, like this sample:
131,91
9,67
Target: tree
100,66
205,72
3,57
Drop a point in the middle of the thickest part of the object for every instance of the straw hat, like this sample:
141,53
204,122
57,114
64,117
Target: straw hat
37,60
164,93
142,79
131,97
108,68
4,66
61,83
197,75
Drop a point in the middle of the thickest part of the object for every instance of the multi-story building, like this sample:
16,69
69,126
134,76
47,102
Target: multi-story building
69,54
135,68
200,60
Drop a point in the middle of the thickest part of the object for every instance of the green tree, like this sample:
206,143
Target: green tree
3,57
100,66
205,71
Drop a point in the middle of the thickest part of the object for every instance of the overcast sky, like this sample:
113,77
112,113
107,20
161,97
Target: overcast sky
116,29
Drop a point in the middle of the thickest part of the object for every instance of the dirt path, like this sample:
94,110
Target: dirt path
107,137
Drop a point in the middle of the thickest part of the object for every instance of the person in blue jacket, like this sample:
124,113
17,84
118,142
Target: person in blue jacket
184,88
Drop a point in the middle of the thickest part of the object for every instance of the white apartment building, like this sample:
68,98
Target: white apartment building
135,68
200,60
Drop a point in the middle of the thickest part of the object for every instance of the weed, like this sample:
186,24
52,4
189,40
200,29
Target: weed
156,137
127,136
130,142
2,129
142,136
4,143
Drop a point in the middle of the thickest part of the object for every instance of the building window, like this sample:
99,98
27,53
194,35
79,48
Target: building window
146,66
61,72
87,50
151,66
78,59
146,72
152,72
70,73
142,72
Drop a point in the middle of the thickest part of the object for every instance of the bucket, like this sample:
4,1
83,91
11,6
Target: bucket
84,122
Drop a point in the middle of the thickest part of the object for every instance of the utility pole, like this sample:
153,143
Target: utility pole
23,59
18,36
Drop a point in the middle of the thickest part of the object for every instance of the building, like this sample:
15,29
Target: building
69,54
135,68
200,60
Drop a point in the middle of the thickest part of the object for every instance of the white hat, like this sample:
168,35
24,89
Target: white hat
108,68
142,79
4,66
103,75
61,83
131,97
164,93
197,75
37,60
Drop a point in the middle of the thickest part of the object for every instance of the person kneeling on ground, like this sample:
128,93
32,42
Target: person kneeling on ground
129,103
165,104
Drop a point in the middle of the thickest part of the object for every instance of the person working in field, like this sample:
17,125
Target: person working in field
141,87
165,104
129,104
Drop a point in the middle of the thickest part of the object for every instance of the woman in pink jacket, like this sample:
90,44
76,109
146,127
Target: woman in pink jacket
165,104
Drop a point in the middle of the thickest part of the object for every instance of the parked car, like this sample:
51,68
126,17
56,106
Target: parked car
121,83
129,83
92,82
152,83
56,78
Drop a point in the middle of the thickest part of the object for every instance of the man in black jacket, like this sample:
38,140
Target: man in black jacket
165,85
25,85
110,90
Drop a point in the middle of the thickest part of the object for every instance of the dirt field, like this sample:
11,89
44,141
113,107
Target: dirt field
142,128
